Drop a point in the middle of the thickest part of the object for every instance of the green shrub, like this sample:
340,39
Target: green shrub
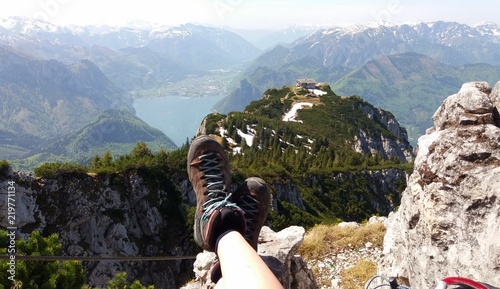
53,170
4,167
120,282
291,215
211,122
35,274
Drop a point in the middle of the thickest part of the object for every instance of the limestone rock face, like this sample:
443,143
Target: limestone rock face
103,216
366,142
448,222
289,192
278,250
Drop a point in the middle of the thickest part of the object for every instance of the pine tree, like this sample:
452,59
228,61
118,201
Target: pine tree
95,162
141,150
107,159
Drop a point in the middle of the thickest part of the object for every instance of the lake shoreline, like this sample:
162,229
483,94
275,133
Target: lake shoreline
177,116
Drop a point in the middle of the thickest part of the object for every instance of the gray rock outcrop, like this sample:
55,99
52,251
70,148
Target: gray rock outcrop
287,191
105,216
448,222
397,145
279,252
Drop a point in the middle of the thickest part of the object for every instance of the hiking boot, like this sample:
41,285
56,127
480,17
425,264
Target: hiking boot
253,197
209,174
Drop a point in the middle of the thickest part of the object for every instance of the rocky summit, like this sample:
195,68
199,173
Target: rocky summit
449,222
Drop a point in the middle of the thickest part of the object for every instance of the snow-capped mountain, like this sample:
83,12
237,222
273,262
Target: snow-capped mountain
202,46
22,29
490,30
30,26
448,42
195,47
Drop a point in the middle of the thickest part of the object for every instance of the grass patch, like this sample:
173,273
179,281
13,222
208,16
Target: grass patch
355,277
323,239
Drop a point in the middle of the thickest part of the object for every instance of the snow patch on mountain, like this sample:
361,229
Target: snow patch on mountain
248,137
318,91
292,114
30,26
171,32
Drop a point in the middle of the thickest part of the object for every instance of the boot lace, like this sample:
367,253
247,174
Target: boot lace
250,206
216,190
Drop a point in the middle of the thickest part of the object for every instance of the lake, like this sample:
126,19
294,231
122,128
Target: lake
177,116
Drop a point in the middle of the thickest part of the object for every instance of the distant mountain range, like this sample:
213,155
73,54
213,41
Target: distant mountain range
190,46
42,99
161,55
448,42
434,60
56,80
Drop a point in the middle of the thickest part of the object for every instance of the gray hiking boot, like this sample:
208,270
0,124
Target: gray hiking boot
209,173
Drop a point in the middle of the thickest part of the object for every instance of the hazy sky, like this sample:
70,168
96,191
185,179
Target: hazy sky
252,13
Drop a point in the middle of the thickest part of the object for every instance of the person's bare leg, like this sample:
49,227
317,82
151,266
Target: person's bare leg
241,266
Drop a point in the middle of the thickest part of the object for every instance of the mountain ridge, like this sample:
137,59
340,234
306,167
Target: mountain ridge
320,116
418,81
114,131
31,31
62,97
333,54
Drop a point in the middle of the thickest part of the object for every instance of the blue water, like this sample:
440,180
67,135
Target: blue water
176,116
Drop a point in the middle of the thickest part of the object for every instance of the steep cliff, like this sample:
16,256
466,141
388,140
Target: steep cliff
122,215
368,142
449,222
